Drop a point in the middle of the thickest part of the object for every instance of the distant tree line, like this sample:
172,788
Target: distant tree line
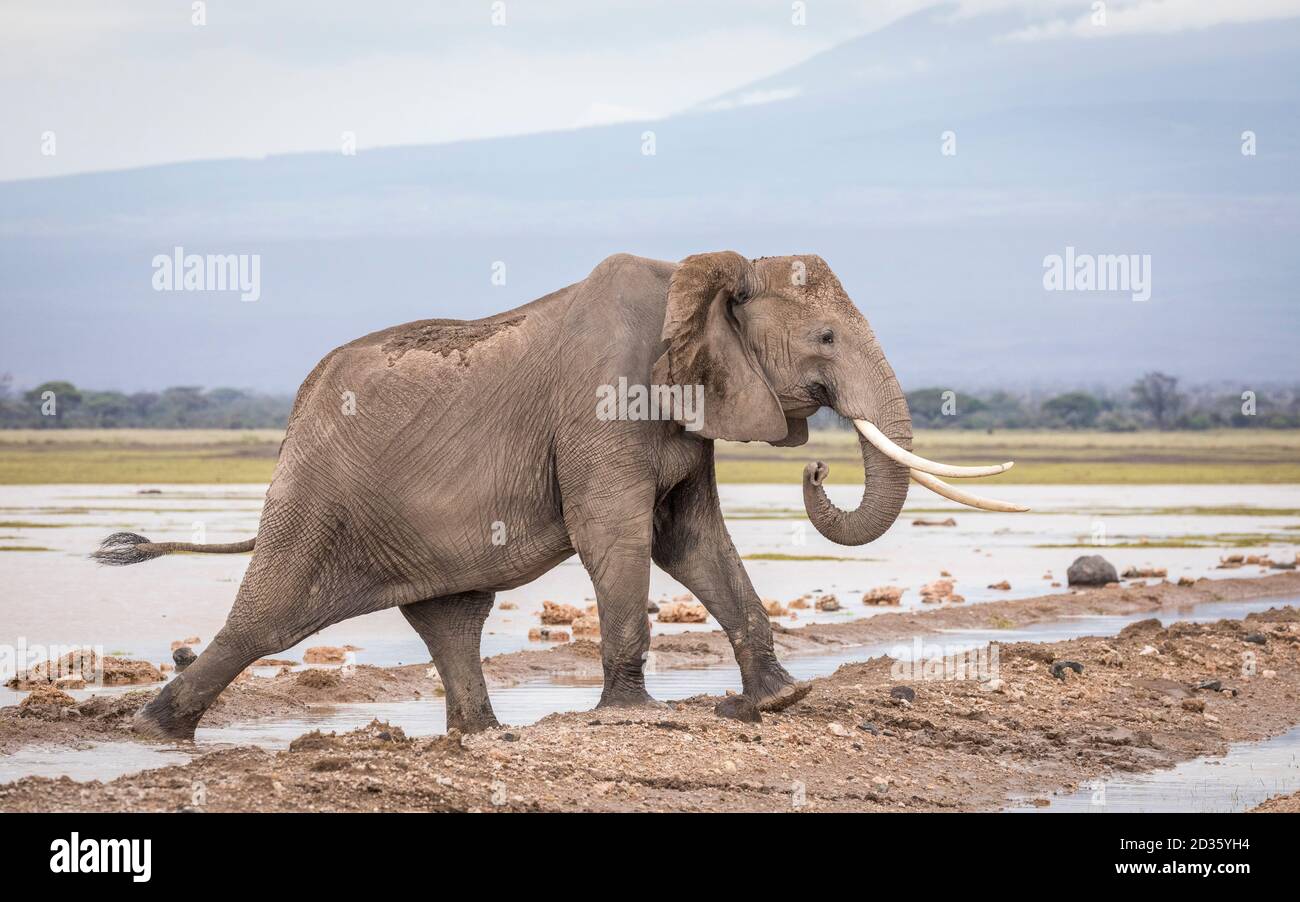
55,405
1154,401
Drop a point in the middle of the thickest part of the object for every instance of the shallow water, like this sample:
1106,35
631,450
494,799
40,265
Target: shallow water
97,761
1247,775
58,597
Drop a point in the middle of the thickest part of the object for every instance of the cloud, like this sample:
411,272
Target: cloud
1159,16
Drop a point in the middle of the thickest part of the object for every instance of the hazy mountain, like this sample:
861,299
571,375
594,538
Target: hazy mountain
1110,145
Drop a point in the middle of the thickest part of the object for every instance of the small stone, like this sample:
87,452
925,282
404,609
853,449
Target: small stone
868,727
559,614
890,595
1060,667
738,707
994,685
1091,570
1255,638
1269,674
1148,650
906,693
1195,705
1004,585
828,603
836,729
682,612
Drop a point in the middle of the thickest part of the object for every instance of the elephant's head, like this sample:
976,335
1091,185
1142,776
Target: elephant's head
772,341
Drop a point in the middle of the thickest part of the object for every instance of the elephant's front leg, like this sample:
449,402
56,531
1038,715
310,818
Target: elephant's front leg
692,544
614,544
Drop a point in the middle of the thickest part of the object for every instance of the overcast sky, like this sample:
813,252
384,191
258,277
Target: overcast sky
124,83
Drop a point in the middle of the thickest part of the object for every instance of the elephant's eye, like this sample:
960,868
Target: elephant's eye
827,337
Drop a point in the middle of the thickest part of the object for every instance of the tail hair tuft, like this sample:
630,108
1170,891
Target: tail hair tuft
122,548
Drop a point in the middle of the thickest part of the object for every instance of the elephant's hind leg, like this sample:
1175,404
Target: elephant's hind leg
452,626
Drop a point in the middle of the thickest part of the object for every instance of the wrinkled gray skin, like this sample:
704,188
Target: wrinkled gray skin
466,431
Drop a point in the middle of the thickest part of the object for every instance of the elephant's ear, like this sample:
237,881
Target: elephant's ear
706,347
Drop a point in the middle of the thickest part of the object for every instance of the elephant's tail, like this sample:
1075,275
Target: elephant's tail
122,548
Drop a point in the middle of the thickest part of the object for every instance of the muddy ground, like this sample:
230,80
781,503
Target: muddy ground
863,739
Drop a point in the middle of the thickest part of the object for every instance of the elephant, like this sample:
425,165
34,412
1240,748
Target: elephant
431,465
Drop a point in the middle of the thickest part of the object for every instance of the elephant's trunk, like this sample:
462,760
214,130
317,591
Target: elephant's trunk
885,487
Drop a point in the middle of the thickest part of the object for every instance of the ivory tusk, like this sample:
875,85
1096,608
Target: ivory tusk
939,487
915,462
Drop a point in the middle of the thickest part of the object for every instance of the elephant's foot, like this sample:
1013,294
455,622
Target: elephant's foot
772,689
628,697
157,721
473,720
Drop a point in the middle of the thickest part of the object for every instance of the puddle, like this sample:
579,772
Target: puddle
99,761
1247,775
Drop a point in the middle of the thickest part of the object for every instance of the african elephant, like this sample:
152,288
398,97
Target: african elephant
434,464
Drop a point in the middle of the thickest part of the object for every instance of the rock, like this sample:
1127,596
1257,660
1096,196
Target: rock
948,522
1212,685
1091,570
1269,674
1186,581
682,612
547,634
1145,573
836,729
508,606
1195,705
1148,650
587,625
883,595
325,654
191,641
938,592
1004,585
799,603
1282,565
868,727
553,613
651,608
774,608
183,657
994,685
47,695
1255,638
1060,667
828,603
738,707
905,693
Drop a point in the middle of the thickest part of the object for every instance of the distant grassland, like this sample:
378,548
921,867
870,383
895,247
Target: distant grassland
1226,456
144,456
